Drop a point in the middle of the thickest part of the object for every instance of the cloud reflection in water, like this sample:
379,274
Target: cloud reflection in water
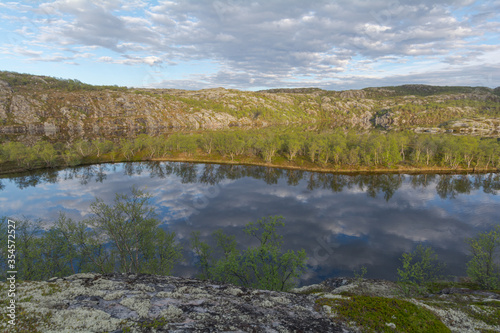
343,221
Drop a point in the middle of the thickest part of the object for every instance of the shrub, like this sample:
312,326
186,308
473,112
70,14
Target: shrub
484,267
264,266
419,268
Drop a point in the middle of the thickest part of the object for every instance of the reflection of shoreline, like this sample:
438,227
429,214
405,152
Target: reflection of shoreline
359,170
285,165
447,185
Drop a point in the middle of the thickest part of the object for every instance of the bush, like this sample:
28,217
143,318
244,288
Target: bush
123,237
484,266
264,266
419,268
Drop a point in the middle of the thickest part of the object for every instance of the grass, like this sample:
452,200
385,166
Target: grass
379,314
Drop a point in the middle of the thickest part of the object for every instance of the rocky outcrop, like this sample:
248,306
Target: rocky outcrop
121,303
31,105
138,303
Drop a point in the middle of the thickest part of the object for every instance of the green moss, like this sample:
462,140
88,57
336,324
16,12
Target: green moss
27,321
312,291
53,288
379,314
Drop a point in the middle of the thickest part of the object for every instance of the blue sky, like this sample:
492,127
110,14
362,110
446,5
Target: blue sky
251,45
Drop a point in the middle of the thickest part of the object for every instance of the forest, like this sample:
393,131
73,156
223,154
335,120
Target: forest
332,150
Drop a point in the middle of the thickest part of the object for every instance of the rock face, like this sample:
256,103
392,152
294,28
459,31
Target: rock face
116,303
31,105
122,303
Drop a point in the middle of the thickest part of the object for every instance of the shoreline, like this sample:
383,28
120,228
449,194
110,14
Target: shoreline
287,166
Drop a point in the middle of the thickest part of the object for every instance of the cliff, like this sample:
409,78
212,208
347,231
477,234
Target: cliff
39,105
149,303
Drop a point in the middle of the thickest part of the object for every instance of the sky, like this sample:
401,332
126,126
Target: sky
253,45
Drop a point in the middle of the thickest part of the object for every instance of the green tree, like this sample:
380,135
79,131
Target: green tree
29,261
102,146
292,145
269,146
131,226
88,252
46,152
484,266
419,267
265,266
83,148
128,148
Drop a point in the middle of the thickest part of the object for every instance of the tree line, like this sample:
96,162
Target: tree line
332,149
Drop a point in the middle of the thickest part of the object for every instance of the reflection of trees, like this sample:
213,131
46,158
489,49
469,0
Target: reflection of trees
385,183
444,187
50,176
86,174
187,173
422,180
294,177
491,183
210,176
447,186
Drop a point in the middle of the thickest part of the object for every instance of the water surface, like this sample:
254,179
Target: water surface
342,221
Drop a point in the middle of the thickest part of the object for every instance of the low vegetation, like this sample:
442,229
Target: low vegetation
484,266
420,268
329,150
264,266
379,314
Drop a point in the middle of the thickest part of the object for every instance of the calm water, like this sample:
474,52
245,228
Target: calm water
343,222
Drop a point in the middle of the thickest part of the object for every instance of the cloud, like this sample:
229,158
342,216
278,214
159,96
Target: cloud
132,60
270,43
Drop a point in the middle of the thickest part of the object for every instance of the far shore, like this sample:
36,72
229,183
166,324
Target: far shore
305,166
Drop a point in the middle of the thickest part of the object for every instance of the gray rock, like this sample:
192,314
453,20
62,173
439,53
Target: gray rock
80,302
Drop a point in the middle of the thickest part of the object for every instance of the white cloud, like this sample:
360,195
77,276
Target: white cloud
267,42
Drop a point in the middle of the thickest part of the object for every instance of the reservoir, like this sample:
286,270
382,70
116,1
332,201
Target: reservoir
344,222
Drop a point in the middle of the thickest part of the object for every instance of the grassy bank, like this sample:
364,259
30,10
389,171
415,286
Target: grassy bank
327,151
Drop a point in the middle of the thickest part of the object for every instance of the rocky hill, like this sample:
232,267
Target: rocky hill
39,105
149,303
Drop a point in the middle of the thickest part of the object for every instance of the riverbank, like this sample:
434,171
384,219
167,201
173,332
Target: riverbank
143,303
302,165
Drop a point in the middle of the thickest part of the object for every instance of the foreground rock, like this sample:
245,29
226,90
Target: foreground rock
147,303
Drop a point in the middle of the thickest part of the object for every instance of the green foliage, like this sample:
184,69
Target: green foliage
376,314
131,227
17,80
265,266
419,268
360,275
484,266
123,237
331,149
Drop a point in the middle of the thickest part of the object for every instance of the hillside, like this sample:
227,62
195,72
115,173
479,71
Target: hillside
68,109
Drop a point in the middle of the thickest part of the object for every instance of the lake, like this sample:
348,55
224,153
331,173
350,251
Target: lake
343,222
